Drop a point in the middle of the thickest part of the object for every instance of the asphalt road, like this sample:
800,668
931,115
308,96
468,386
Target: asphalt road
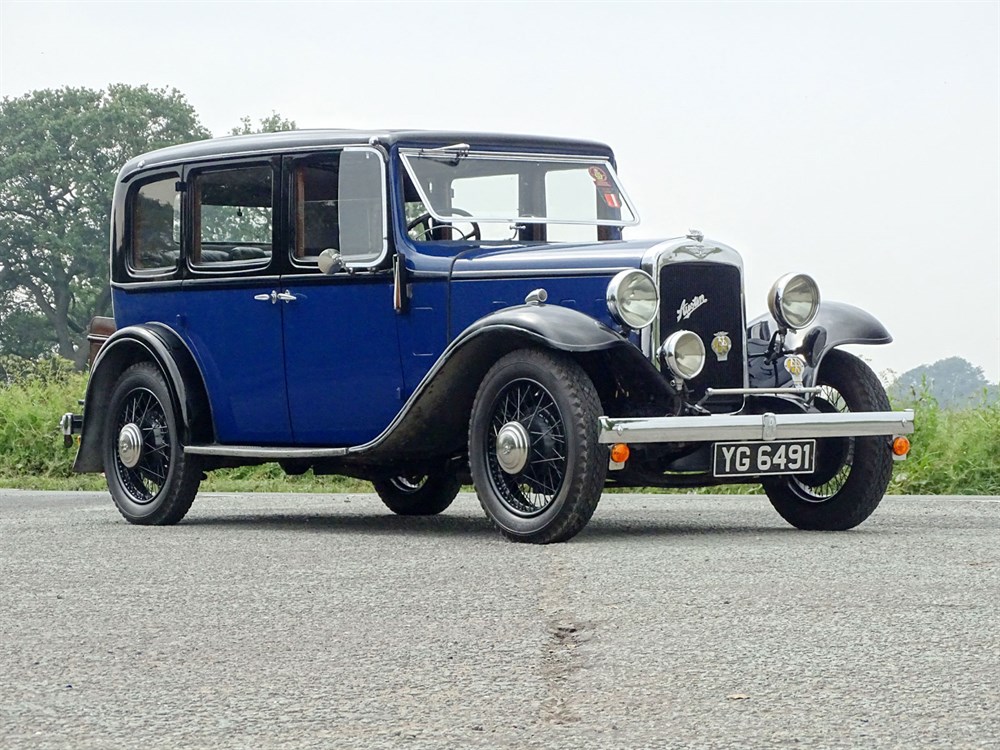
300,621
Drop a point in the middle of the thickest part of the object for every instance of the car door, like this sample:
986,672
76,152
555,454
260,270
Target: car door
232,319
342,364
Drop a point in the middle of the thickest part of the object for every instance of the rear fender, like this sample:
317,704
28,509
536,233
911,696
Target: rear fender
154,343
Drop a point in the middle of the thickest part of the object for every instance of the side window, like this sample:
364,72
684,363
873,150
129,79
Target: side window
233,217
156,223
339,203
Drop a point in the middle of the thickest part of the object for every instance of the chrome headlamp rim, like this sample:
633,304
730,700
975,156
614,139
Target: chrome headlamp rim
619,307
777,296
670,351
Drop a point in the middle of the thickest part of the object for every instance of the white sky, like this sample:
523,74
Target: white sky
859,142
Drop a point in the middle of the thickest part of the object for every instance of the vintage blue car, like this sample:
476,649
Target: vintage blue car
425,309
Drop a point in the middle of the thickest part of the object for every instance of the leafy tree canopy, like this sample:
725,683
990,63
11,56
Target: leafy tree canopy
955,383
60,150
273,123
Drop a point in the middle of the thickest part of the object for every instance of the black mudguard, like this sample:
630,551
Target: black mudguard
435,419
156,343
842,324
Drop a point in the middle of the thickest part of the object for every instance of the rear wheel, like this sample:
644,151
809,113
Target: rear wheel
852,473
533,451
419,494
151,479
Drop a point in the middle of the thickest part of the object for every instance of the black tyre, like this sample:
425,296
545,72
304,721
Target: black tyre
851,473
533,451
419,494
151,479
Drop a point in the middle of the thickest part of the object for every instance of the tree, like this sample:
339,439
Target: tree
60,150
23,331
954,383
273,123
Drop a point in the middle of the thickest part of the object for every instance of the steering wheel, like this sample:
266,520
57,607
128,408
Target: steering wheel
432,225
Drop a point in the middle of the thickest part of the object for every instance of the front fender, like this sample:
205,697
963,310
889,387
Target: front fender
156,343
552,325
843,324
435,419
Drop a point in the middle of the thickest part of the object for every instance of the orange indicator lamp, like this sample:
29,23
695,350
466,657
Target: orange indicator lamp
619,453
901,446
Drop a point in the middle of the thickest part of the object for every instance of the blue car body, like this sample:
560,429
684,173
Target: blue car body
341,301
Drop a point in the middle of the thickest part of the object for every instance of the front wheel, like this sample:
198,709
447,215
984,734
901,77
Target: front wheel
852,473
419,494
151,479
533,451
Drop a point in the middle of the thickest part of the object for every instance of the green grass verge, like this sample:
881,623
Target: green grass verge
954,453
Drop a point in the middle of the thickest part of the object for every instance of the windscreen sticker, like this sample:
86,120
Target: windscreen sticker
612,200
599,176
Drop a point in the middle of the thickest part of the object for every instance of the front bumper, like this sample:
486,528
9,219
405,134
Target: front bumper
767,426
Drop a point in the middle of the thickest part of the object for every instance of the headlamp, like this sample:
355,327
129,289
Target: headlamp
794,301
633,299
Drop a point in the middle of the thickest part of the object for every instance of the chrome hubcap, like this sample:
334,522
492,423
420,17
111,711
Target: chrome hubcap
513,444
130,445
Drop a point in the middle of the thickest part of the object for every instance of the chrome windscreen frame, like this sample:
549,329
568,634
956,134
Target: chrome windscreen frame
406,153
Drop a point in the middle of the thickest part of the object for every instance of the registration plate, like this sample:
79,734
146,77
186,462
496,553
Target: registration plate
764,457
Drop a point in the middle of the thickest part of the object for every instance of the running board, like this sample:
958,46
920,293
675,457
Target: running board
264,451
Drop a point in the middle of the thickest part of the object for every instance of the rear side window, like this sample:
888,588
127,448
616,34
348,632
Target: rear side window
233,220
156,226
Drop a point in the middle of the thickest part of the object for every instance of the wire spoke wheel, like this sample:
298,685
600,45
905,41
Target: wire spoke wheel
835,456
143,477
852,473
419,493
531,490
151,479
409,484
533,451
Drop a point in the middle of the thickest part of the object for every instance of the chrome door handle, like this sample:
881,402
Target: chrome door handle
274,296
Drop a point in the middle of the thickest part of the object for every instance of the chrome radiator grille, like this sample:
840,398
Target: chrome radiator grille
682,288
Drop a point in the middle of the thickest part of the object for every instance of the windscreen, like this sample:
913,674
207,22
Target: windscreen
518,189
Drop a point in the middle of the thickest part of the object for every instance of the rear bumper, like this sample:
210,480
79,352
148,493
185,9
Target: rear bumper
766,426
70,424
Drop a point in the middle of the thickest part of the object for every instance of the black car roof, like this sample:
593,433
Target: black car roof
300,140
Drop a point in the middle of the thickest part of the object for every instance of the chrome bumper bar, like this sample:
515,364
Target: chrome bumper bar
753,427
71,424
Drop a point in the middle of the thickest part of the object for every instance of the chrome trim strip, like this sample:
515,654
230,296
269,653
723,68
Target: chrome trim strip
146,285
780,391
541,273
512,155
753,427
262,451
245,282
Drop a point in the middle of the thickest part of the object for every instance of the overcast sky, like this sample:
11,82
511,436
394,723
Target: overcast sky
858,142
